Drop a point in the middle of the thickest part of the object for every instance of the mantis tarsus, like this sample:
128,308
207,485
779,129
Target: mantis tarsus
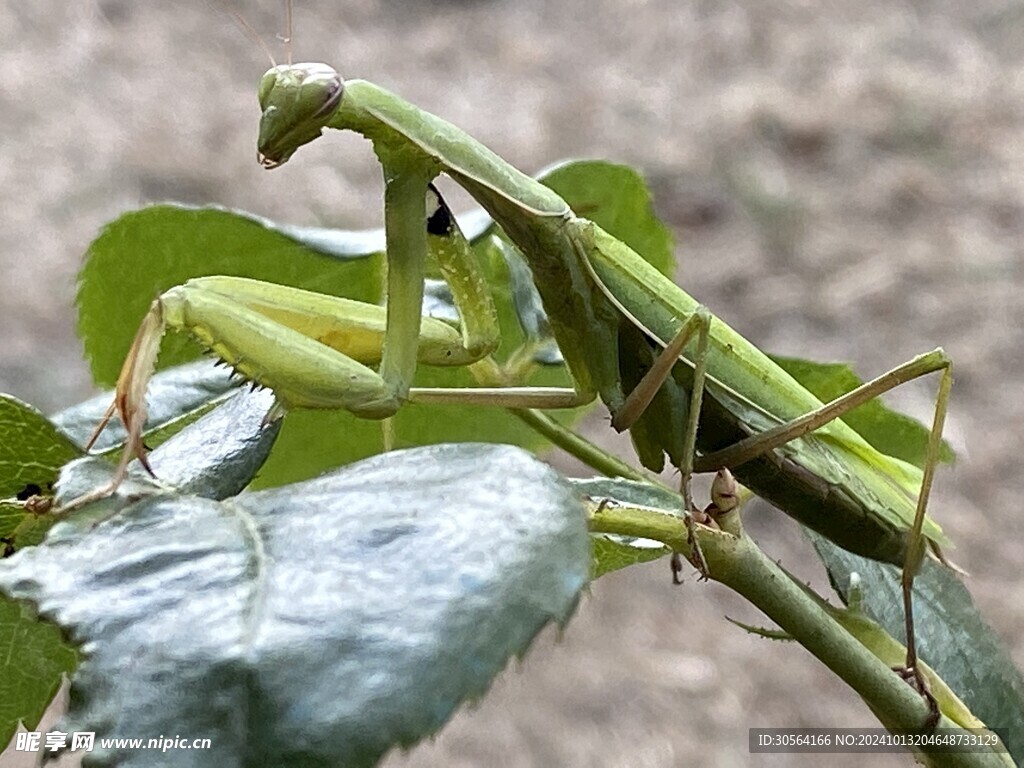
723,403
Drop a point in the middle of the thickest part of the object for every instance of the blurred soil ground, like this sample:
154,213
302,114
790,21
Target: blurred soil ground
844,180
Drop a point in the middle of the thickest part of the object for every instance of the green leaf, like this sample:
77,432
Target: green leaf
143,253
613,552
32,449
616,198
35,656
952,636
888,431
319,624
32,667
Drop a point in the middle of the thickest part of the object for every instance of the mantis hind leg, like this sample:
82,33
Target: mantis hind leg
915,553
758,444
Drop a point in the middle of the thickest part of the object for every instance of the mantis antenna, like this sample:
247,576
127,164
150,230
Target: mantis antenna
288,32
254,36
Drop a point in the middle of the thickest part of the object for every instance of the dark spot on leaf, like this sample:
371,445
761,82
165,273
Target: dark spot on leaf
28,491
381,537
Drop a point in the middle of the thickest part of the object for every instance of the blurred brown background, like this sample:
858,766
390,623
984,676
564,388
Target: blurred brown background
844,181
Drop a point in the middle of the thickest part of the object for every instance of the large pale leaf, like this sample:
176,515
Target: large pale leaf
176,397
217,457
318,624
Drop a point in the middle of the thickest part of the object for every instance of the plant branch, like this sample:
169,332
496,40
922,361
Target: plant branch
736,561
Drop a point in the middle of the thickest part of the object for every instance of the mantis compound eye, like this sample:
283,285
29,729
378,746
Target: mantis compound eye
330,90
297,100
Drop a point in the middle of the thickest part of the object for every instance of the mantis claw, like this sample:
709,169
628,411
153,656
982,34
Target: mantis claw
696,556
913,676
130,405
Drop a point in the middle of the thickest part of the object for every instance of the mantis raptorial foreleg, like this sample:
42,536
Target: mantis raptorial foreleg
315,351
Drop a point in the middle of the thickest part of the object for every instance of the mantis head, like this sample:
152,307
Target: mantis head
297,101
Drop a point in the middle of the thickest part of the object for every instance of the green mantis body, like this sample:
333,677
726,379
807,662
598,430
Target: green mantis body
603,301
610,311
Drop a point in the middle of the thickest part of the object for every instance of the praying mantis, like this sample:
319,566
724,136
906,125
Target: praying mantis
684,383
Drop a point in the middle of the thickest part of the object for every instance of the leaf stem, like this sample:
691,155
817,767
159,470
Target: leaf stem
578,446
